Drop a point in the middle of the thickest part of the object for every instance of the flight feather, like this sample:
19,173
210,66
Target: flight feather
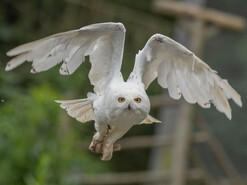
183,74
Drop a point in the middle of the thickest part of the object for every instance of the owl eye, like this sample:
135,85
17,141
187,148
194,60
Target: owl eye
121,99
137,100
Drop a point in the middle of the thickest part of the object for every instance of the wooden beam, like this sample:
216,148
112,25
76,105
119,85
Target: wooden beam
125,178
131,178
137,142
181,143
185,9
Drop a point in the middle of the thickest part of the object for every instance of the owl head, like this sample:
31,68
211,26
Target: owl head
127,101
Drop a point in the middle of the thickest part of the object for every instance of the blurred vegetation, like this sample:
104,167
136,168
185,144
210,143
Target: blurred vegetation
40,144
37,146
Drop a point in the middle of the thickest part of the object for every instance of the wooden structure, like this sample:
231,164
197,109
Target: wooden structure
192,30
193,33
177,140
184,9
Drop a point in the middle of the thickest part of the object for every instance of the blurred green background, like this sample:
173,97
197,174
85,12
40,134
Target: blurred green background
40,144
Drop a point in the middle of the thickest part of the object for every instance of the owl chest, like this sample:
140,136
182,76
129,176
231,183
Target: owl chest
125,118
117,118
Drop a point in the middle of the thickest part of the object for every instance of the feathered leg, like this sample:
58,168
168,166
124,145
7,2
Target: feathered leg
98,138
114,134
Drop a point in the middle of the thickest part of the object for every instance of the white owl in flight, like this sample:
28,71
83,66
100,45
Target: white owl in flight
115,102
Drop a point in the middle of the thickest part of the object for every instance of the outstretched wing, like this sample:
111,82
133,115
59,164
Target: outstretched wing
183,73
103,42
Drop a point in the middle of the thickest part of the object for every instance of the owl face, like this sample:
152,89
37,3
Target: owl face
127,102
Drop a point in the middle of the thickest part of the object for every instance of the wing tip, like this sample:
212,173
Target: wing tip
240,104
228,115
226,110
65,107
57,101
8,67
234,95
16,51
33,70
10,53
238,101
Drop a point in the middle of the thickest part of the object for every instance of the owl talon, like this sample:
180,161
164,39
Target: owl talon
96,146
107,152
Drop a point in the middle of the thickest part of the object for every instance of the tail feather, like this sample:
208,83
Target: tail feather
80,109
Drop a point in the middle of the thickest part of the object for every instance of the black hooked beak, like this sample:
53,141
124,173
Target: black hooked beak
129,107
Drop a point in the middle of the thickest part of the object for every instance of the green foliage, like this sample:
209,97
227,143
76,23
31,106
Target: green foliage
37,145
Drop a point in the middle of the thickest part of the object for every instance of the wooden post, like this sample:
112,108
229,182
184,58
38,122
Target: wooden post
193,34
181,143
181,9
191,37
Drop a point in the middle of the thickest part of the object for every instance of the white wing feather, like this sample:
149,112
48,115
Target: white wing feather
80,109
103,42
183,73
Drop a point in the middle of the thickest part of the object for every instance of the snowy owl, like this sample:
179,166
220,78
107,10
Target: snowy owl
116,105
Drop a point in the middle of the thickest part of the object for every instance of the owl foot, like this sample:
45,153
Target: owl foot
107,152
96,146
108,149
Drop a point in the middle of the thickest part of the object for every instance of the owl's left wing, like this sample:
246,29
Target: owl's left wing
182,73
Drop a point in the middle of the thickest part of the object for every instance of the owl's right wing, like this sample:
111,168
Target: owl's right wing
103,42
182,73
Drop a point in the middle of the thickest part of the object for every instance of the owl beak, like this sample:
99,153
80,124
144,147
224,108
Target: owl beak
129,107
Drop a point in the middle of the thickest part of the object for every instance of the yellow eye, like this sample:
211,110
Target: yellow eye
137,100
121,99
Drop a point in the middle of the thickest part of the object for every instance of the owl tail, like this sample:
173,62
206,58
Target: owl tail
149,120
80,109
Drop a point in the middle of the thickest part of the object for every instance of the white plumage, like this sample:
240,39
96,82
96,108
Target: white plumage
115,102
